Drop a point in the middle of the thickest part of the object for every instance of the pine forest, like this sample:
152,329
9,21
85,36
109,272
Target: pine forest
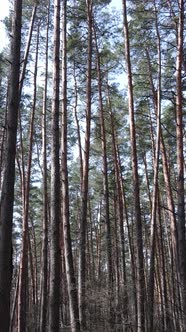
92,166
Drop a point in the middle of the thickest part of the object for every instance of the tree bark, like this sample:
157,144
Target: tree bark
140,259
7,196
22,307
151,281
180,159
121,219
71,281
78,125
27,49
54,294
44,255
84,193
166,173
105,182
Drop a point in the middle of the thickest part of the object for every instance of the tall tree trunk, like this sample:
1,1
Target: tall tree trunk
130,235
140,259
151,281
54,294
164,282
21,82
83,220
105,182
77,124
121,218
22,307
13,323
7,196
44,254
32,290
166,173
180,158
27,49
71,282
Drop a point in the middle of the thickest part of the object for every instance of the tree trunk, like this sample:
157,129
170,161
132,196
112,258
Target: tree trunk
164,282
7,196
180,159
71,282
166,173
44,254
78,125
121,220
84,193
27,49
54,293
130,236
22,307
140,264
151,281
105,183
